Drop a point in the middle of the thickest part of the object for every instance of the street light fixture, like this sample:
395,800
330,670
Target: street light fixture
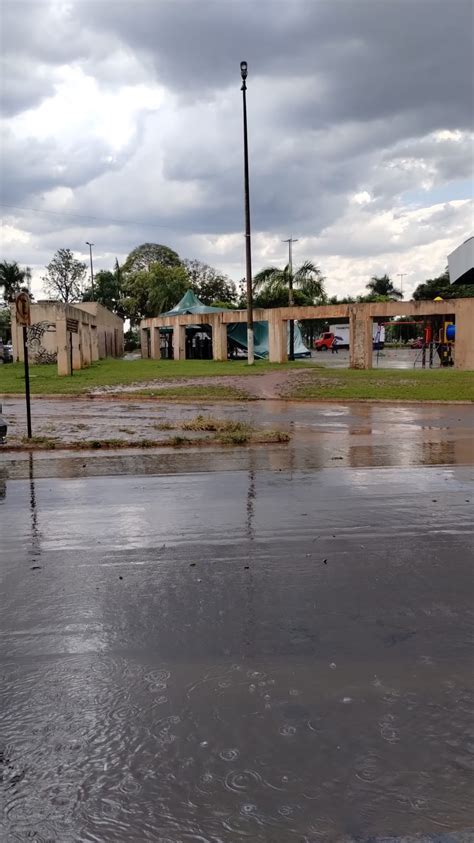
248,246
92,268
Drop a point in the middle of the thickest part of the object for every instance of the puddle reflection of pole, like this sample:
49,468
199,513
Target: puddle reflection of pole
35,536
249,629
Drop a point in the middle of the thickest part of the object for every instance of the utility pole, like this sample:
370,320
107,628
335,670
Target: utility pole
290,241
401,276
248,246
92,268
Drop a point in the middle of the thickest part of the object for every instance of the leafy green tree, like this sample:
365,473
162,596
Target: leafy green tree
209,284
5,324
153,291
107,289
433,287
13,279
382,286
64,277
144,256
271,286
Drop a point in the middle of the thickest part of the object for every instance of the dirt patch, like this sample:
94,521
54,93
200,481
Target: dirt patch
264,386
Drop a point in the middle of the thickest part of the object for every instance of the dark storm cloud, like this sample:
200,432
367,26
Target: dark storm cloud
344,96
373,58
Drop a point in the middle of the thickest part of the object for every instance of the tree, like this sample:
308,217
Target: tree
148,293
271,286
433,287
144,256
13,279
5,324
107,289
382,286
209,284
64,277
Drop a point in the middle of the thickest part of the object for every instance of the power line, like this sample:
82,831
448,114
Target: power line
84,217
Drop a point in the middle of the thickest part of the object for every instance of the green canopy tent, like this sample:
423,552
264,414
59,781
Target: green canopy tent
236,332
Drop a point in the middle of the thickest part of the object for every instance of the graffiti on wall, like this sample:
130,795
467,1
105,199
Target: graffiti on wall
38,352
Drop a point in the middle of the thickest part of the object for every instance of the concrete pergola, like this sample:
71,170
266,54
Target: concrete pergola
360,318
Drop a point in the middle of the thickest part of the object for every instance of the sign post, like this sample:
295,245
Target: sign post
72,325
22,305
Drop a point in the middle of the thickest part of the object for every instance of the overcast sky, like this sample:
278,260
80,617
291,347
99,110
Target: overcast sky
122,124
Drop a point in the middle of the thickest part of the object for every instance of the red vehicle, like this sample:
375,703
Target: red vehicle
325,341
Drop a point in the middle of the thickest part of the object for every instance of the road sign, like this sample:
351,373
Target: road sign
22,305
72,325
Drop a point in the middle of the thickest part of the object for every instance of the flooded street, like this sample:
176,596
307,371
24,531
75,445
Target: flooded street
258,644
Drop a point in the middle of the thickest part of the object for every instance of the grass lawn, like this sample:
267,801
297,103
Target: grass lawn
392,384
44,380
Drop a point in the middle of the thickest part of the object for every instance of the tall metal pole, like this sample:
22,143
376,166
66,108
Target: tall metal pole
248,245
290,241
92,268
401,276
27,380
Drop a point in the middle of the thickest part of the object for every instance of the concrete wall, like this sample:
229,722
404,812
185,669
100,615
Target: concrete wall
360,318
109,329
100,334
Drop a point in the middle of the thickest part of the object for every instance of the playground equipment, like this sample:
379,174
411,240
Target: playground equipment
439,335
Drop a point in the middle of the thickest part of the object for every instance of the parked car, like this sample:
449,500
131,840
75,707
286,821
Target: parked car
7,352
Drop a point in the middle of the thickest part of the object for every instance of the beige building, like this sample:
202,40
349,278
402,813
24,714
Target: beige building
76,333
359,316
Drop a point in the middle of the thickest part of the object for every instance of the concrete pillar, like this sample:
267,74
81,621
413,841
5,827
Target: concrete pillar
62,339
179,342
219,338
277,338
360,338
76,351
144,342
85,345
464,342
155,352
94,344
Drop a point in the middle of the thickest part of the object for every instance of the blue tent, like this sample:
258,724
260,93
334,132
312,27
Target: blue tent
237,332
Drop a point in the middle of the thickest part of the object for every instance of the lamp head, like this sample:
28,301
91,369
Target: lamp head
243,70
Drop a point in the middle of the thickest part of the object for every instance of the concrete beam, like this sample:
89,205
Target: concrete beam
179,341
62,339
155,351
144,332
86,342
360,338
464,344
277,340
219,337
94,344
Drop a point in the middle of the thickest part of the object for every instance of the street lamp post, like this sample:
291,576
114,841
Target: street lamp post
92,268
248,246
401,276
290,241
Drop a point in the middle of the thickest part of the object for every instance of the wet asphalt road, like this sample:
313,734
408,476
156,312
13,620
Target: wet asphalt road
238,654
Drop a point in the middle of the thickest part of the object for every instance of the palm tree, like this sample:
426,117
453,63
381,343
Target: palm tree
382,286
13,279
273,282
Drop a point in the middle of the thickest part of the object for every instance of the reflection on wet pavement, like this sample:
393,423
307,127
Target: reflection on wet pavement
239,654
323,435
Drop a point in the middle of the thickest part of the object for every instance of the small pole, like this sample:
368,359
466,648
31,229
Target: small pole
27,380
92,268
401,276
70,352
